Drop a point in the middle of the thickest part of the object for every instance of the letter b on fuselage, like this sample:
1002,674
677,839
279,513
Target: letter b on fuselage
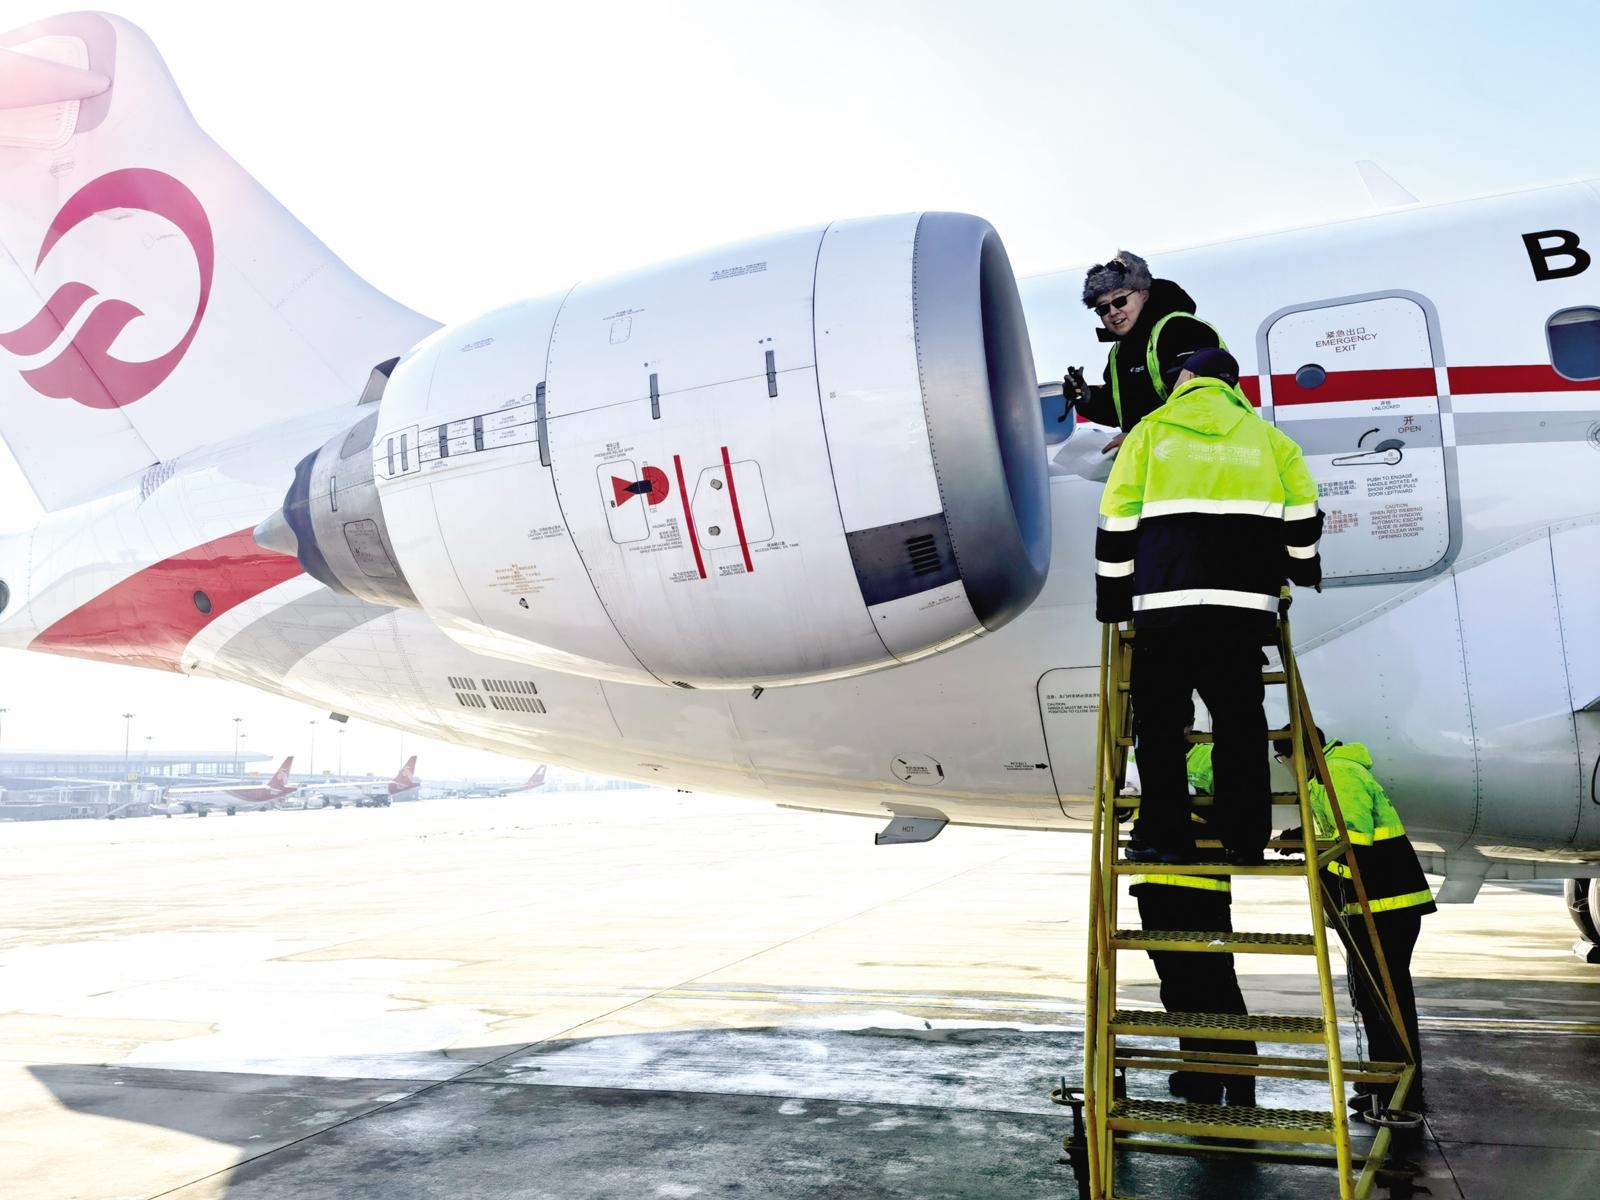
1557,244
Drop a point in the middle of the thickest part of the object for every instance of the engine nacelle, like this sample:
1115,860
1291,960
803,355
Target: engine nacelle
802,458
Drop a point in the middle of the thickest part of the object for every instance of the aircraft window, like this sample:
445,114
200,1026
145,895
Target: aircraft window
5,595
1310,376
202,602
1574,335
1052,406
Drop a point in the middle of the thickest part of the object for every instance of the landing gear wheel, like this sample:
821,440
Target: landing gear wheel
1583,902
231,810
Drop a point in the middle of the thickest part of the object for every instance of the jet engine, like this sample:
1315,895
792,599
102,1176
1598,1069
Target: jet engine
805,457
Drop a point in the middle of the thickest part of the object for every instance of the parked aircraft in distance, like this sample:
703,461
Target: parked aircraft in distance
794,519
366,793
230,798
532,784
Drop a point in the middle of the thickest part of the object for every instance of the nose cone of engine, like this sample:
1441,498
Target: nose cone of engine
276,535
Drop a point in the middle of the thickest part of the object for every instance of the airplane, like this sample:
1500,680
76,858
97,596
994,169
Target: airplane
367,793
202,801
533,783
795,519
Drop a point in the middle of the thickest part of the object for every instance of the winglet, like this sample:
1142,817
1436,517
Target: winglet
1381,186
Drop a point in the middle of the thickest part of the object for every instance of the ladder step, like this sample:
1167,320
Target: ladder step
1267,677
1199,739
1213,1120
1279,867
1207,942
1206,799
1221,1026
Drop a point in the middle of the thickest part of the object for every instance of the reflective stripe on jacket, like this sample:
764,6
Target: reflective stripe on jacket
1390,872
1208,508
1199,764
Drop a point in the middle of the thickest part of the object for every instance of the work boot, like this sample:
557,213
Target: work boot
1194,1087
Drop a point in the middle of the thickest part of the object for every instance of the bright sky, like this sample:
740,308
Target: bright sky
462,154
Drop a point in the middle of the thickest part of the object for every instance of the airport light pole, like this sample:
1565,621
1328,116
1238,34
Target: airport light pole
311,759
340,744
127,732
237,721
3,712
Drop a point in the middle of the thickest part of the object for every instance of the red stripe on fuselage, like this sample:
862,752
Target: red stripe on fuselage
1403,382
1476,381
1394,384
149,618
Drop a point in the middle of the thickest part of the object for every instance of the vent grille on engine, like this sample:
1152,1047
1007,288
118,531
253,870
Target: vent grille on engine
520,687
504,695
516,704
923,552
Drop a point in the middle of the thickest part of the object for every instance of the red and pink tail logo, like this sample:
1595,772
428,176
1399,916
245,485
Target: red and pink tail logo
281,779
86,371
405,780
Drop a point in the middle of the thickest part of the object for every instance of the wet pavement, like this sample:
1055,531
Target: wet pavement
663,996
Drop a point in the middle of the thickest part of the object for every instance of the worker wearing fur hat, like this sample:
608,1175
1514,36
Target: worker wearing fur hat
1148,322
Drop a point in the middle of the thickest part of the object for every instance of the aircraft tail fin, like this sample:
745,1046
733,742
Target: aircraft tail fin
536,780
406,777
153,296
281,779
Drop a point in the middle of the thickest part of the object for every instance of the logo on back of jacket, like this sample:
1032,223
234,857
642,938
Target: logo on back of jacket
1208,452
84,369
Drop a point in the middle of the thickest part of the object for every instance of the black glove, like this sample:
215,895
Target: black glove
1291,835
1075,389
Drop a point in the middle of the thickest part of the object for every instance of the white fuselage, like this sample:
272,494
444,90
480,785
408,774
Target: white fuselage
1458,637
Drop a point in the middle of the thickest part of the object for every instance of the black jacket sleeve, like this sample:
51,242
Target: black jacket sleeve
1099,408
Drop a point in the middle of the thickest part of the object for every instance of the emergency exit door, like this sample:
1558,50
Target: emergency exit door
1355,382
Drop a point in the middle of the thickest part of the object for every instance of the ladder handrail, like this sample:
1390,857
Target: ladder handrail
1316,900
1101,1053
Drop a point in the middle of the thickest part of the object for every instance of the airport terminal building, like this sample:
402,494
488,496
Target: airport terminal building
50,785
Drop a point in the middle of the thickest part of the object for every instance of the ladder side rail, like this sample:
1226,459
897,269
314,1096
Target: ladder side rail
1378,1152
1122,710
1098,941
1391,998
1298,713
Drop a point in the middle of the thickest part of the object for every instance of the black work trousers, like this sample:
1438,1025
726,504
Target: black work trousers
1224,666
1203,983
1397,934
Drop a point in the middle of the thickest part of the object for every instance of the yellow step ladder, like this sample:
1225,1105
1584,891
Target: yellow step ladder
1119,1124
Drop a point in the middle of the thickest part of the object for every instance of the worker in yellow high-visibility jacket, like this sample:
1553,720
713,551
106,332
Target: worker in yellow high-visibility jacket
1396,889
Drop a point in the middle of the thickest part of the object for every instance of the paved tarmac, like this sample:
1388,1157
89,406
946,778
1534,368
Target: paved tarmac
658,995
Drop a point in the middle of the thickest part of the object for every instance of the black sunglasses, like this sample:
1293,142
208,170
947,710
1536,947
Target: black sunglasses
1101,310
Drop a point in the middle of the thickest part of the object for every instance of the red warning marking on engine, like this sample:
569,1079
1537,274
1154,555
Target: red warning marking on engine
688,517
653,487
738,521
